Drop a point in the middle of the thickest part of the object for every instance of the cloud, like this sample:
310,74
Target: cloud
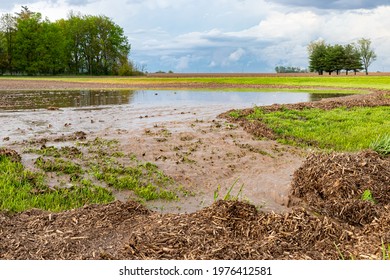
334,4
236,55
231,35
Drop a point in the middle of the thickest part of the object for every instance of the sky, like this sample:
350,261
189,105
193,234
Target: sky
241,36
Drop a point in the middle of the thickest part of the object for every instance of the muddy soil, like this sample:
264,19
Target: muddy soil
201,151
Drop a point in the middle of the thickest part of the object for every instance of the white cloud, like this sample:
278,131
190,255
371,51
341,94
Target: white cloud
228,35
236,56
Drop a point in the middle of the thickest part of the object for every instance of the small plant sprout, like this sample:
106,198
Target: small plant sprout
228,195
367,196
385,251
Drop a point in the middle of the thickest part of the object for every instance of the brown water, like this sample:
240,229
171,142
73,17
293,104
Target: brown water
148,98
26,114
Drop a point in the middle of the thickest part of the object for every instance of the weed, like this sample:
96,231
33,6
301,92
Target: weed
367,196
381,145
236,114
385,251
228,195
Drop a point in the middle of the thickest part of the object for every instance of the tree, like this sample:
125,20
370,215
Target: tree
289,69
352,59
317,56
7,41
80,44
330,58
367,55
335,58
94,45
27,41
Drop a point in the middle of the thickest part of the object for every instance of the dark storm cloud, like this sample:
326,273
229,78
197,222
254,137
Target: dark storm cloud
334,4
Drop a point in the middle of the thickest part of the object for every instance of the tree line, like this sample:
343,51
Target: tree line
289,69
80,44
335,58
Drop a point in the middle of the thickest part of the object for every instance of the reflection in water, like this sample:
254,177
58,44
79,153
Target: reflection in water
151,98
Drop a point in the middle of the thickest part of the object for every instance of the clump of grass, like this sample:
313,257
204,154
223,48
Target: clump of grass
381,145
236,114
58,165
144,179
21,189
51,151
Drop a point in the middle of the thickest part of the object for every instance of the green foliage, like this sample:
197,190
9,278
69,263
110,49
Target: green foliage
341,129
381,145
330,58
81,44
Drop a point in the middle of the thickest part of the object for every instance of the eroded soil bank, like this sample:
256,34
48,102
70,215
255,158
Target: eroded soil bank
201,151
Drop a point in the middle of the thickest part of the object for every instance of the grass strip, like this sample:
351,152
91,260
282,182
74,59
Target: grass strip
340,129
362,82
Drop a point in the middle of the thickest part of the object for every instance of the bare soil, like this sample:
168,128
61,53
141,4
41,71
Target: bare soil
296,205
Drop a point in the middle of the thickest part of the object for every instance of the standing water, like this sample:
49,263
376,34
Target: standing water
27,115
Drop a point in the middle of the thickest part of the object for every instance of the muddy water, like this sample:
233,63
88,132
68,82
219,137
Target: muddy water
30,114
29,100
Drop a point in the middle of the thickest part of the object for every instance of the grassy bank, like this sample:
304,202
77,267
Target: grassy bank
339,129
304,81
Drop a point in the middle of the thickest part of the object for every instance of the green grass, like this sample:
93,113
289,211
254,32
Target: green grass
351,81
381,145
21,189
339,129
99,160
58,165
145,180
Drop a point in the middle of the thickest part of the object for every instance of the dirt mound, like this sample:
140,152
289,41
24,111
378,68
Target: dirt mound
234,230
352,188
86,233
226,230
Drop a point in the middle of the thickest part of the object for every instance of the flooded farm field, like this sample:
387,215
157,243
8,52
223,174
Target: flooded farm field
180,141
177,130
